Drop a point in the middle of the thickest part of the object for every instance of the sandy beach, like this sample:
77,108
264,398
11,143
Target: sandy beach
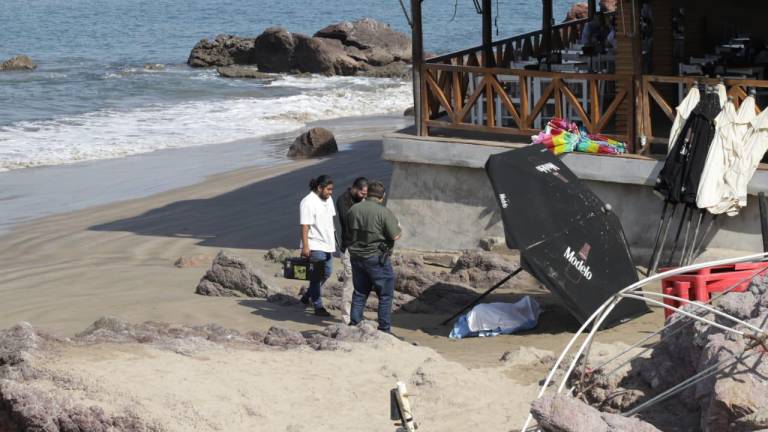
63,272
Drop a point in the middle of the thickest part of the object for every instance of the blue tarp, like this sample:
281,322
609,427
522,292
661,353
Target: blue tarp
493,319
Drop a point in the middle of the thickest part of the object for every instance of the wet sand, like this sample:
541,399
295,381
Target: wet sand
63,272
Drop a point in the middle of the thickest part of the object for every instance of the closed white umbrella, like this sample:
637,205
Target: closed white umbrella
712,185
755,145
723,195
684,110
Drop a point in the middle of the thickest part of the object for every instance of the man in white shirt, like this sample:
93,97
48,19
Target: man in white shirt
318,238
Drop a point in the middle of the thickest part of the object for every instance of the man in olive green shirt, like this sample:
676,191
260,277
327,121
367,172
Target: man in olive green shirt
371,231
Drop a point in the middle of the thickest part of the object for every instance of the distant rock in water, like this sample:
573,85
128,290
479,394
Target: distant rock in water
20,62
244,72
224,50
363,47
154,66
315,142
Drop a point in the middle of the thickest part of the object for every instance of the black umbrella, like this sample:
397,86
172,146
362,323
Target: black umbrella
568,238
679,178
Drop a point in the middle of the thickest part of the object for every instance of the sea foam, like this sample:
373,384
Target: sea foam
115,133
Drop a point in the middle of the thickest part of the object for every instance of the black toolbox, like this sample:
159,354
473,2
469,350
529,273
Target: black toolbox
303,269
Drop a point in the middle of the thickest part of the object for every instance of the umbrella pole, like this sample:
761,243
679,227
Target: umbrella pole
691,255
658,236
700,247
677,236
483,295
687,236
665,231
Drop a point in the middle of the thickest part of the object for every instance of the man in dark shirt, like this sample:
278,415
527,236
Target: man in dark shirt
352,196
371,230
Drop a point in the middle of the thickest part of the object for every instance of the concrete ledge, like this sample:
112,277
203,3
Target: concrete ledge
398,147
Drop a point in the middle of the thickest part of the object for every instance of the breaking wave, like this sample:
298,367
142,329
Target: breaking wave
115,133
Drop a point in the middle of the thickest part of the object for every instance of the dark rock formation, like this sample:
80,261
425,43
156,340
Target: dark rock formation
377,41
563,413
231,276
364,47
224,50
244,72
315,142
278,255
19,62
733,396
409,112
25,405
278,336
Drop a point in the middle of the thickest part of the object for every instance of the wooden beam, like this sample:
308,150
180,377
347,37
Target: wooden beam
488,59
417,58
591,8
546,28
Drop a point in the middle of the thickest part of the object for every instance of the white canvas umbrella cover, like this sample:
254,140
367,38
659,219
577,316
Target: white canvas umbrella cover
684,110
712,185
755,145
734,134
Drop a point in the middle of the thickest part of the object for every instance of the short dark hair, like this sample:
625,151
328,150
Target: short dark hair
320,182
376,189
360,183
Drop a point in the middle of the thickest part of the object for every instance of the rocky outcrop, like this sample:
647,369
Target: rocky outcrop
244,72
729,400
563,413
363,47
224,50
35,398
316,142
377,42
231,276
19,62
278,255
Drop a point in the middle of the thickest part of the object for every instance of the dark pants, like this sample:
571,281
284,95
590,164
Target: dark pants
314,290
373,274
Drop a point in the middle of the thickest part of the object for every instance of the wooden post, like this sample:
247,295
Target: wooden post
546,27
417,60
488,58
591,9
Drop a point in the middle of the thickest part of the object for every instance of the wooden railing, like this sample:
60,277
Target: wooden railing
519,47
513,101
664,93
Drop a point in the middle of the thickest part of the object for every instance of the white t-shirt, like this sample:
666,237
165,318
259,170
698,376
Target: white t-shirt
318,214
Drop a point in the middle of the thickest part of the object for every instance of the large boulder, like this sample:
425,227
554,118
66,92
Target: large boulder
380,43
224,50
19,62
231,276
315,142
563,413
244,72
364,47
275,47
278,50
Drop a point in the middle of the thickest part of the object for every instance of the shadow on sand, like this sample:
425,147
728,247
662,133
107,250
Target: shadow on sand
261,215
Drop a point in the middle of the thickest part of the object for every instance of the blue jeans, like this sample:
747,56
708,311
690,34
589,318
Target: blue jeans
373,274
314,291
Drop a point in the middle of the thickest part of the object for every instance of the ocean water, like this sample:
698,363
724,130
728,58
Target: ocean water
91,97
